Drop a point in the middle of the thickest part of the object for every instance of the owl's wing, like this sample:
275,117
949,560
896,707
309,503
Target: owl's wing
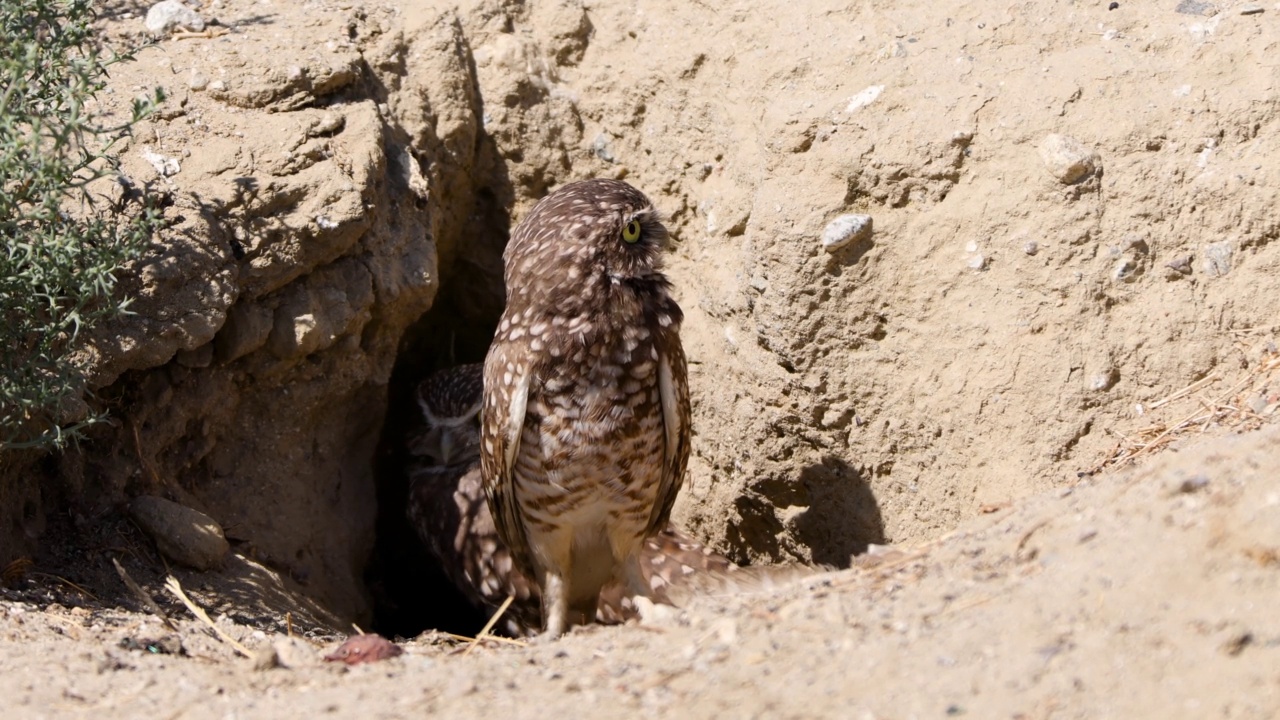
673,394
506,398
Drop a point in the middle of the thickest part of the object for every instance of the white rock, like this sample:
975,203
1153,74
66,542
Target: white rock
164,165
844,230
1067,159
864,98
169,15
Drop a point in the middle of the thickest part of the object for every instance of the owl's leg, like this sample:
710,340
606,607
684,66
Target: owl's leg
555,605
553,552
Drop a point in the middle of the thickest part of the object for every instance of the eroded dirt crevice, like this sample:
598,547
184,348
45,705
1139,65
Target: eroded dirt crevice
311,213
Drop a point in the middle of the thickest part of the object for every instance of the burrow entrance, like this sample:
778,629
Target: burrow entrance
410,592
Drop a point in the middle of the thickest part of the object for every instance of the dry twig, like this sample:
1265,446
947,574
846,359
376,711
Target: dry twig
68,583
484,632
146,600
172,585
1231,409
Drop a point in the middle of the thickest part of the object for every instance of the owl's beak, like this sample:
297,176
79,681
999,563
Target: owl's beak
446,447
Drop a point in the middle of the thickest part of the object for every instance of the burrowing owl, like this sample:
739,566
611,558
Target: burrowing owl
585,422
447,507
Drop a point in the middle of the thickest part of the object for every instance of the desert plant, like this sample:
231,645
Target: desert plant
65,242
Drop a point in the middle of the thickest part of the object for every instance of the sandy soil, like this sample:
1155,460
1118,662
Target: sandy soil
1143,594
1029,419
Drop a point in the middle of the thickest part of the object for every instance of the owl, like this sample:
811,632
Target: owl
585,420
448,509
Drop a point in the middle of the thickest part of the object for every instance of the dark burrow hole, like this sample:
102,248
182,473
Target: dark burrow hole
410,592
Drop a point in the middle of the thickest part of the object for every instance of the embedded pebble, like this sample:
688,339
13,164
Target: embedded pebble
864,98
1195,7
1031,247
183,535
1257,403
1192,484
1180,266
293,652
978,262
1067,159
264,658
167,16
600,147
1125,271
1217,259
1104,380
1251,10
197,81
164,165
366,648
844,230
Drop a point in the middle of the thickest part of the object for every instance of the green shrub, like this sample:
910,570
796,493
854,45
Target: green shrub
64,242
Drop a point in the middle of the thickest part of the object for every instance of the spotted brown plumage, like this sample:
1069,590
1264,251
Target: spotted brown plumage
585,421
448,508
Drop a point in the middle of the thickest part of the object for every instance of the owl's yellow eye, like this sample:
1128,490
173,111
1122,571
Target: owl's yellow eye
631,232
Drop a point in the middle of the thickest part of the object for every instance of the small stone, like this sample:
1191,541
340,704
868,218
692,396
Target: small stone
217,86
168,645
1136,243
265,658
1195,7
1031,247
978,262
183,535
864,98
197,81
1104,380
1236,643
1067,159
293,653
1126,271
169,15
366,648
1257,403
1181,266
845,230
166,166
600,146
1217,258
1193,484
1251,10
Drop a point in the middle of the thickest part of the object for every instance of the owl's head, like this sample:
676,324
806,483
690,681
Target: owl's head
583,239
